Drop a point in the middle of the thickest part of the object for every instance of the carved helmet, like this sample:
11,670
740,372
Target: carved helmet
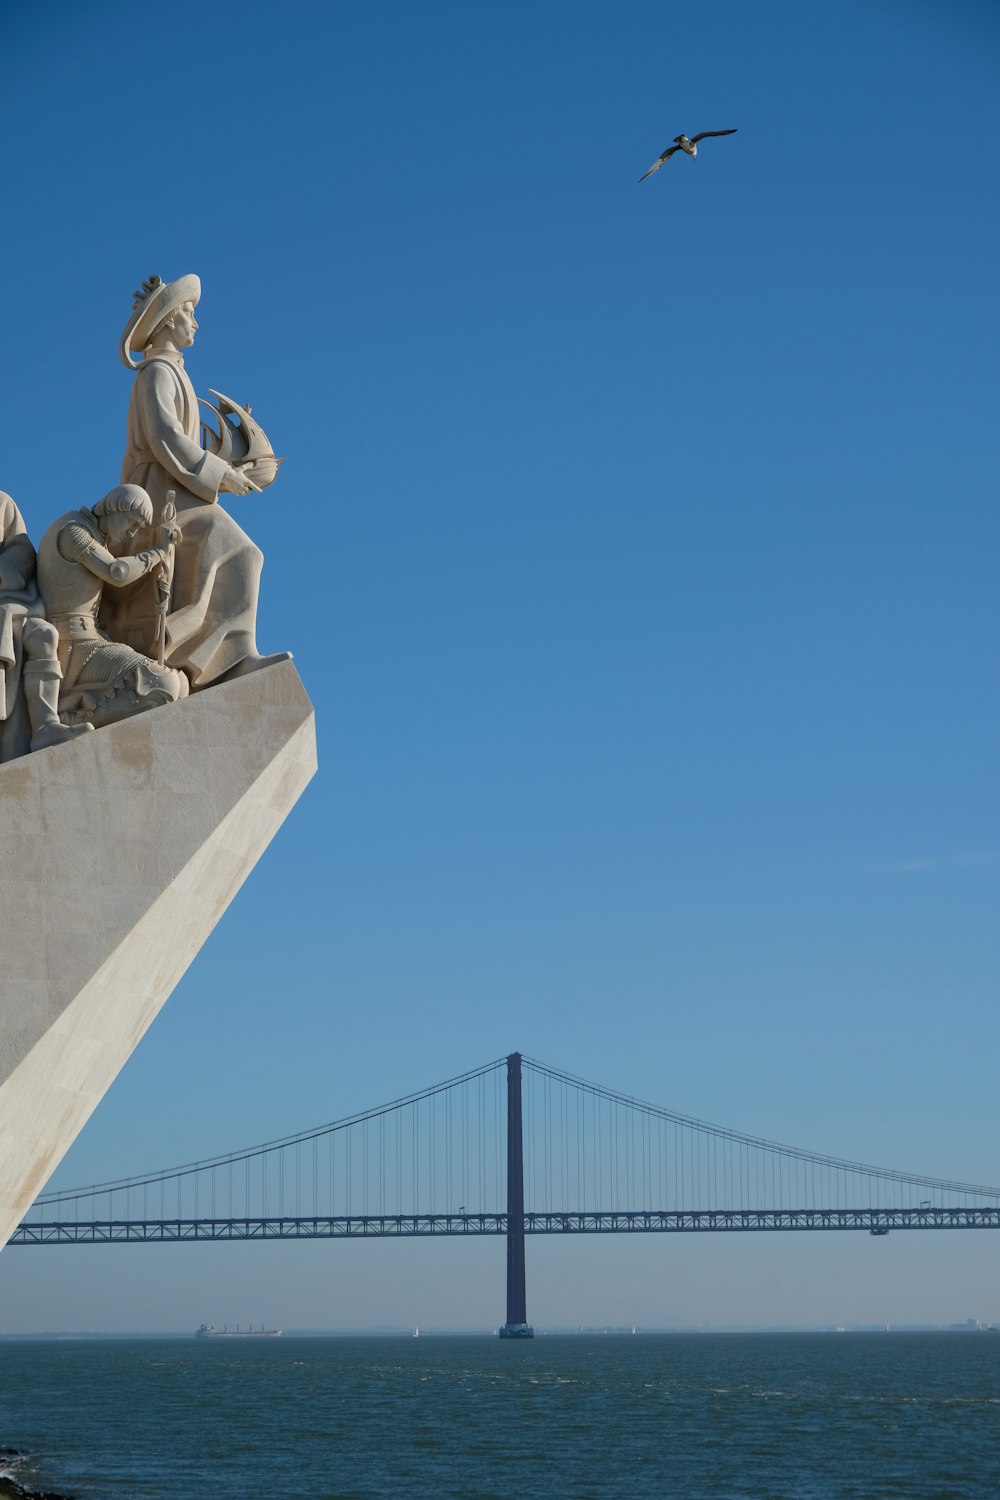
154,301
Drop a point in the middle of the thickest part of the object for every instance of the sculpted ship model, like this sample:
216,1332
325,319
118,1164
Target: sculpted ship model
242,442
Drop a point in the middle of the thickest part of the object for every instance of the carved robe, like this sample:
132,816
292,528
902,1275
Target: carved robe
16,604
212,620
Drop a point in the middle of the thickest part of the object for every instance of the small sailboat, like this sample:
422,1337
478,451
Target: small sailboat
416,1333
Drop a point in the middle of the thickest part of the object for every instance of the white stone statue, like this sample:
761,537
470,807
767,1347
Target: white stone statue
210,630
30,674
80,555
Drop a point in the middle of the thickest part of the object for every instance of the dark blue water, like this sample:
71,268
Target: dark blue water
745,1417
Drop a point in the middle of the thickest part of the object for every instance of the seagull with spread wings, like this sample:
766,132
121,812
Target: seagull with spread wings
683,143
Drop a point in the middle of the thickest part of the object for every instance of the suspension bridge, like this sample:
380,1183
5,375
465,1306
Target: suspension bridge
465,1156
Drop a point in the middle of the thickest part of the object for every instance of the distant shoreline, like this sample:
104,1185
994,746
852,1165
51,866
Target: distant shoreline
590,1331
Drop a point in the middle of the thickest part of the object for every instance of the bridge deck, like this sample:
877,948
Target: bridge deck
877,1221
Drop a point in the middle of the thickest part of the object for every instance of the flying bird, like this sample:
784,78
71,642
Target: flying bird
688,143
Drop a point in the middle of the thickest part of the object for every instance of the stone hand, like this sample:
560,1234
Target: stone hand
167,536
237,483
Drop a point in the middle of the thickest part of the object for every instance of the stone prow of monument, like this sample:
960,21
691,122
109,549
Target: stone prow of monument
121,851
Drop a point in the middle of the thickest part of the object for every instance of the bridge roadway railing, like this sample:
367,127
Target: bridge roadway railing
877,1221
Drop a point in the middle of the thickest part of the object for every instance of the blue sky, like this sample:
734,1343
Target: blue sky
637,545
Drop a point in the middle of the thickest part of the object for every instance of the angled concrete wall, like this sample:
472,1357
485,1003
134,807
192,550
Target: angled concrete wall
120,852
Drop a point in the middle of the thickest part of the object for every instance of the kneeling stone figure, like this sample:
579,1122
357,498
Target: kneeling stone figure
29,666
81,553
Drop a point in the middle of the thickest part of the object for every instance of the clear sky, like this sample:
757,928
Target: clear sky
638,547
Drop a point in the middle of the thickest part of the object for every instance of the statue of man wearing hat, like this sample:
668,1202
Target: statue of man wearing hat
211,626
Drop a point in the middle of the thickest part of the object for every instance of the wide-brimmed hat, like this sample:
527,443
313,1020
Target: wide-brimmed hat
155,301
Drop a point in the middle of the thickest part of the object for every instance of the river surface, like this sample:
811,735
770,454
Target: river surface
739,1417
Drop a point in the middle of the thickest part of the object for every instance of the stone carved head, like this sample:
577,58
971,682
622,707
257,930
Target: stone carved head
179,328
121,514
155,304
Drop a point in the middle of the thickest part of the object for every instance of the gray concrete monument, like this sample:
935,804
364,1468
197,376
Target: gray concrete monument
149,752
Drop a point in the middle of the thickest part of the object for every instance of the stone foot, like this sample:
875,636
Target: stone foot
55,733
251,664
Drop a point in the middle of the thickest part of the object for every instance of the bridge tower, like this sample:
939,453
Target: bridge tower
517,1325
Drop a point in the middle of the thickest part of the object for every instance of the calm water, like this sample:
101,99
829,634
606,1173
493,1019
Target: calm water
746,1417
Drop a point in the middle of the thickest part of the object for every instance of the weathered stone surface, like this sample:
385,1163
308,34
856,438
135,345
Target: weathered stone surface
121,851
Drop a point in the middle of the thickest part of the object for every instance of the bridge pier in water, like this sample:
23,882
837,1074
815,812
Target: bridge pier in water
517,1325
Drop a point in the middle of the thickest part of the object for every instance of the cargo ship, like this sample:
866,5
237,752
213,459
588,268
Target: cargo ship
209,1331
